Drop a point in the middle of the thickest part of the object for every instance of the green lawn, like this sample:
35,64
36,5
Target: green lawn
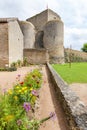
76,74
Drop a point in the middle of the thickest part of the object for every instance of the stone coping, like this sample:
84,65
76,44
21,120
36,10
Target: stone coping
74,108
35,49
5,20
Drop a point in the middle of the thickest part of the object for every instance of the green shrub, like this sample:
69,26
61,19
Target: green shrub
8,69
25,61
13,64
19,63
11,69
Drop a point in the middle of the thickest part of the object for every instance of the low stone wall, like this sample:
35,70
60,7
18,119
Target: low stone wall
75,55
36,56
75,110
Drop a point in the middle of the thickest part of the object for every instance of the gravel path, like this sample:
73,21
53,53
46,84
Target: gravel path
8,79
80,90
48,103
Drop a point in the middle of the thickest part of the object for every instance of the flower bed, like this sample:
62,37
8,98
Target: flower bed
17,105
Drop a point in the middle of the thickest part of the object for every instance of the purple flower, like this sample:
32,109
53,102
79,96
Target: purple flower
27,106
35,93
19,75
19,122
52,115
4,90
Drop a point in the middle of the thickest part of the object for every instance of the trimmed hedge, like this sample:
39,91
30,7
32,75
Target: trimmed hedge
8,69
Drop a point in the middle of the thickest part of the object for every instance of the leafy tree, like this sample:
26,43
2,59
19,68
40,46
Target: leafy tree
84,48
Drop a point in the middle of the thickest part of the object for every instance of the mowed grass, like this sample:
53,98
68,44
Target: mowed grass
76,74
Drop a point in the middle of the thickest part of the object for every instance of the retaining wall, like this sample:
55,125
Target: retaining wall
75,55
75,110
36,56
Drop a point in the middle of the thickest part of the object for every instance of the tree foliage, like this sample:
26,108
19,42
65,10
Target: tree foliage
84,48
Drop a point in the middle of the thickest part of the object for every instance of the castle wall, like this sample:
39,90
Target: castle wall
52,15
42,18
53,40
36,56
15,42
39,20
39,39
28,30
75,55
3,44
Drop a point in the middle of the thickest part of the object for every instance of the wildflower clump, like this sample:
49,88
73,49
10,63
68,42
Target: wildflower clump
17,102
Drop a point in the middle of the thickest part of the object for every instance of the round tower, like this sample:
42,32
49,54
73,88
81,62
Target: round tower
53,40
28,30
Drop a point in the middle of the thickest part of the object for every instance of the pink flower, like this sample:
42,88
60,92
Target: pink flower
52,115
35,93
4,90
27,106
19,75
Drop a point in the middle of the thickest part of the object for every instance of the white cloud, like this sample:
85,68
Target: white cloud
73,14
75,37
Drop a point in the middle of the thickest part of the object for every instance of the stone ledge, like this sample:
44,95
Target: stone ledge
74,108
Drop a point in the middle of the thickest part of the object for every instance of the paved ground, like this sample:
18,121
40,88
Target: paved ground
48,103
80,90
7,79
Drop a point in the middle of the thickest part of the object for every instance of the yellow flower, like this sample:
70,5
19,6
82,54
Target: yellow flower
15,97
9,118
9,91
31,95
24,89
17,87
31,89
19,91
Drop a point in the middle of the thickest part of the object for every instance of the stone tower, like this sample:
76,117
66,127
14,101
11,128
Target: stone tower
49,34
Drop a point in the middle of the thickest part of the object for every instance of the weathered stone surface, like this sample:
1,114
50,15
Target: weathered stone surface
81,56
15,41
53,40
31,34
75,110
4,55
42,18
28,30
36,56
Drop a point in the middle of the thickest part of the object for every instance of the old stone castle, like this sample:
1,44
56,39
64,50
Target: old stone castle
39,38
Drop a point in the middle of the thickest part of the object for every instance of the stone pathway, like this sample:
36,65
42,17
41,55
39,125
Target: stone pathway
80,90
48,103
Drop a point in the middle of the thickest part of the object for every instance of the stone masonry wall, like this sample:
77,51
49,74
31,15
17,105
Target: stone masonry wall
75,55
52,15
3,44
36,56
39,20
42,18
15,42
75,110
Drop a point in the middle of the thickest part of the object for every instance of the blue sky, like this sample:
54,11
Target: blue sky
73,13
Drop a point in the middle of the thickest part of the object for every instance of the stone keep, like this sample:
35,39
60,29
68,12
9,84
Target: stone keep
53,40
49,34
